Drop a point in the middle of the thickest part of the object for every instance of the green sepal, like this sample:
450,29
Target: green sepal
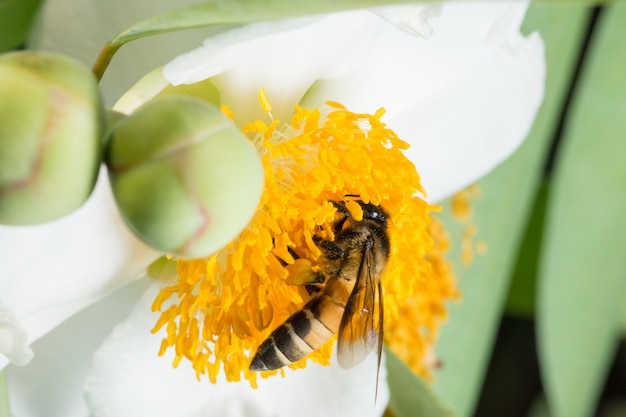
186,180
50,136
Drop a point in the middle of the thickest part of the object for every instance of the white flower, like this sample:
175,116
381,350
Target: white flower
464,98
456,97
50,272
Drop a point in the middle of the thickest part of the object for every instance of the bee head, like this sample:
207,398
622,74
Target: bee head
373,212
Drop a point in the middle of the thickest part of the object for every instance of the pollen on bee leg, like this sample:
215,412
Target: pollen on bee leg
301,272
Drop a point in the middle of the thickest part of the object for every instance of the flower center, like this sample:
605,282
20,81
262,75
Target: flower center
223,307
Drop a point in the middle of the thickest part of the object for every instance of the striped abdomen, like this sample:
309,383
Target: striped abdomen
306,330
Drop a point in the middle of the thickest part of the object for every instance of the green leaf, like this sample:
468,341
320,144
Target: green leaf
227,13
235,12
4,396
467,338
615,408
623,317
16,17
410,396
521,298
539,408
583,268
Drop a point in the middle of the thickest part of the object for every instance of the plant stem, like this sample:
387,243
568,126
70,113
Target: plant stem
104,59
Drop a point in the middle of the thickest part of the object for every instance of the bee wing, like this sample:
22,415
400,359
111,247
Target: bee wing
361,328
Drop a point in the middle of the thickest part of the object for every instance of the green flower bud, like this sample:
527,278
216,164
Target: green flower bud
51,127
186,180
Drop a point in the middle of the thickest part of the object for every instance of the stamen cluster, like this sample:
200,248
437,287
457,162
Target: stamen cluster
222,307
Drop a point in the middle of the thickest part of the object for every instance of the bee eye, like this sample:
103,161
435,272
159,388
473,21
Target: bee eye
373,212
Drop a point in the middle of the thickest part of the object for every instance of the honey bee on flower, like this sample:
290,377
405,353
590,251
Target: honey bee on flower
351,302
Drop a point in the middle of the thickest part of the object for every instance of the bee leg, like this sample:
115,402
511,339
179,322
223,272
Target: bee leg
315,286
343,210
340,207
332,251
293,253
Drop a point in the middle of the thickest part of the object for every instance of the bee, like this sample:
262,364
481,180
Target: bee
351,302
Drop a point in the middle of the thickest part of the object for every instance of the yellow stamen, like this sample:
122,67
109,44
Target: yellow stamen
467,244
227,112
355,209
462,211
222,308
481,247
265,103
461,205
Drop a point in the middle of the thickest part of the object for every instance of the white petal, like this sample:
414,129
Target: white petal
80,28
414,19
285,63
145,89
463,131
13,337
49,272
465,98
52,384
193,67
128,359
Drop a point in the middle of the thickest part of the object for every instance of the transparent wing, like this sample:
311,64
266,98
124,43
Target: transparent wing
361,328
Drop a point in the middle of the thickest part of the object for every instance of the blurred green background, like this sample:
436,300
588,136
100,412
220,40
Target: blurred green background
539,331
